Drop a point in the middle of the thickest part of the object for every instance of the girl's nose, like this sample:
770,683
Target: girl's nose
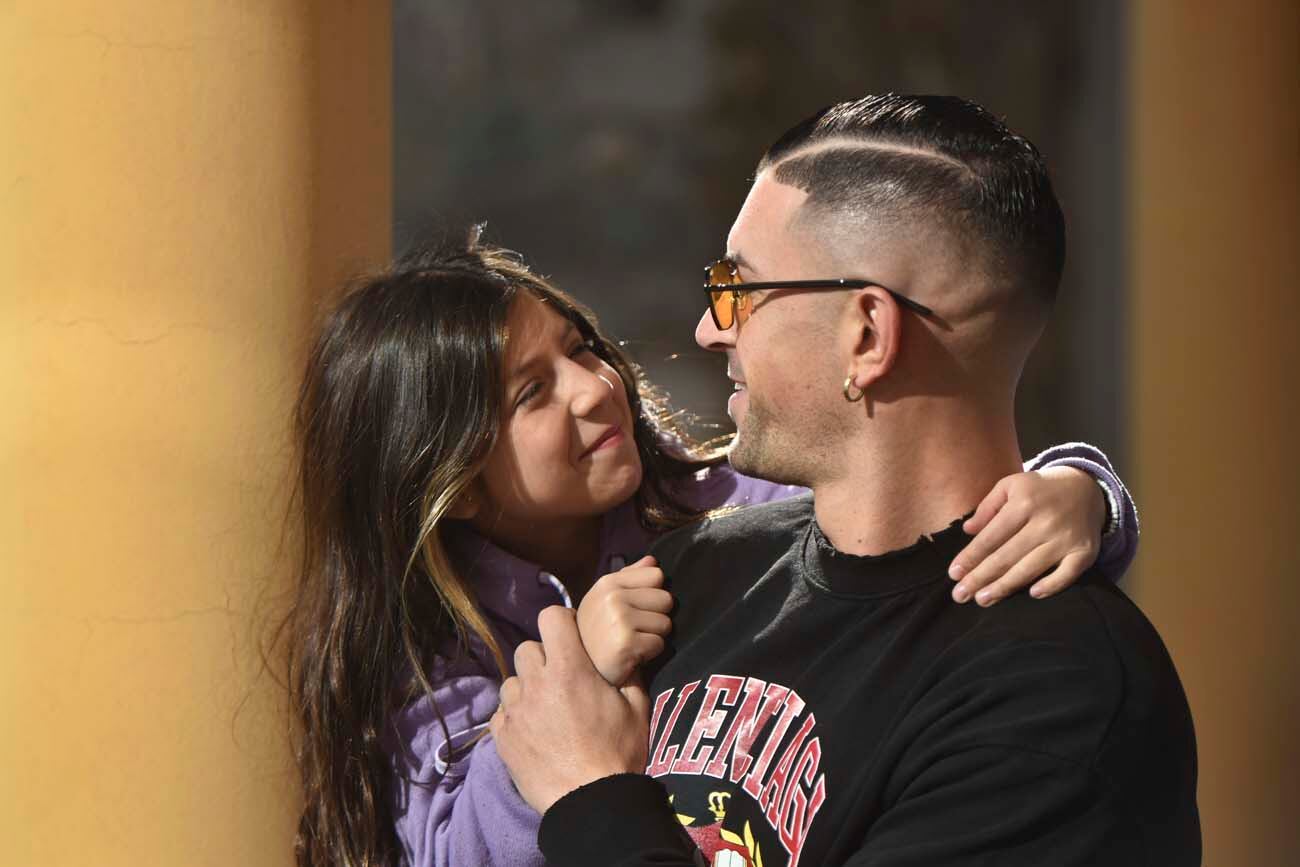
591,389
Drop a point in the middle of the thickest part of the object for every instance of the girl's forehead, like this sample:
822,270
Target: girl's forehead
531,323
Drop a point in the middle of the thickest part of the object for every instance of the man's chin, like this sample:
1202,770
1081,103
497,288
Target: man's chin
752,454
743,459
738,463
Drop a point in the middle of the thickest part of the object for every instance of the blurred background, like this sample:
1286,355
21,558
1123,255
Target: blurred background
183,182
640,121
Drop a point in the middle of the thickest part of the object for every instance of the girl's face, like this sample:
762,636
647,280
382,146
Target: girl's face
566,449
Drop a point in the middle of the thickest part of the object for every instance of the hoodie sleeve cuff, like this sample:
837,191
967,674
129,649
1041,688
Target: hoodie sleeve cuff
1120,541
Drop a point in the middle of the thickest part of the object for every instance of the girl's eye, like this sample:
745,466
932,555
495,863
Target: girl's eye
535,388
528,394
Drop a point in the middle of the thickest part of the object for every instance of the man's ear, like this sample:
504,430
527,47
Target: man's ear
878,325
469,503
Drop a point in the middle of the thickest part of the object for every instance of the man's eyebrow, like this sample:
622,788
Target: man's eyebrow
740,261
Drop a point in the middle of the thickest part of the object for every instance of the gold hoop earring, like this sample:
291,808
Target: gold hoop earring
848,383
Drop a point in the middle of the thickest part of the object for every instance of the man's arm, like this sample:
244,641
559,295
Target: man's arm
994,763
576,747
1028,751
1023,807
618,821
560,725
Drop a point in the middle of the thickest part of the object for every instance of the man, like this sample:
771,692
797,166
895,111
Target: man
824,701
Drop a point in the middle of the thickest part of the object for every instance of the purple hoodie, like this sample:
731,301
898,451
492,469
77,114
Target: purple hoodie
468,812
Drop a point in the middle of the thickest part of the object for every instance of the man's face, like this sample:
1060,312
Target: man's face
782,357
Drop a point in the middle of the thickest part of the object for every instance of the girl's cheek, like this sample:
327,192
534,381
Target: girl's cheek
547,444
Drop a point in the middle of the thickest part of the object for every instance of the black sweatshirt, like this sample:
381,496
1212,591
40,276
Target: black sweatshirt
819,708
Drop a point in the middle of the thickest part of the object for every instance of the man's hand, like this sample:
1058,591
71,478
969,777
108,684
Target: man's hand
560,725
623,619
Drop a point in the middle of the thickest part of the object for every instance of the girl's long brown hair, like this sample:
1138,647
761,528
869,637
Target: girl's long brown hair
397,413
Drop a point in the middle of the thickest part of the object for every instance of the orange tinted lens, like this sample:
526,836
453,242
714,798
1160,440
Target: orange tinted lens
741,306
722,273
722,308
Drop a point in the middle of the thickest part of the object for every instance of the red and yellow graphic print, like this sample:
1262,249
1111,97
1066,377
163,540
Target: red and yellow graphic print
744,769
721,847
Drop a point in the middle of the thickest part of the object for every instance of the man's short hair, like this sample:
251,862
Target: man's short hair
932,161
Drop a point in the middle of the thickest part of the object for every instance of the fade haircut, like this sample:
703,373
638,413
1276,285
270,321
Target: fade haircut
935,161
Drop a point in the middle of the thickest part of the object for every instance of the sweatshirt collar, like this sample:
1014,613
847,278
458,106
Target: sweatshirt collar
869,576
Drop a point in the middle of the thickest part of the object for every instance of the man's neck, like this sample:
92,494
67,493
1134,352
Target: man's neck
888,494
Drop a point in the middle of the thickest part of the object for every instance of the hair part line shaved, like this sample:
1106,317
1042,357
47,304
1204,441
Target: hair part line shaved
931,163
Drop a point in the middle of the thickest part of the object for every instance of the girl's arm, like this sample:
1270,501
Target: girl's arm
1047,520
1045,527
463,808
1119,540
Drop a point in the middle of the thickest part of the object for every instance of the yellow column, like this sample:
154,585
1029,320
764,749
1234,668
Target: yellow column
176,182
1215,317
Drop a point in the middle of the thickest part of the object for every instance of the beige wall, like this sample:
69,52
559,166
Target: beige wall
1215,320
177,180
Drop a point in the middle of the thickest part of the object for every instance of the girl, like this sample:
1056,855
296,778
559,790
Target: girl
472,450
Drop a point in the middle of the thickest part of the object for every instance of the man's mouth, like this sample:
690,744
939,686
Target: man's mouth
736,381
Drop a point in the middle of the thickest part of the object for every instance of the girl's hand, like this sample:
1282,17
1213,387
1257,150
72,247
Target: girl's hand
623,619
1041,528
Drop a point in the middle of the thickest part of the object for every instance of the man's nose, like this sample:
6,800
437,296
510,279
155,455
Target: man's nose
709,337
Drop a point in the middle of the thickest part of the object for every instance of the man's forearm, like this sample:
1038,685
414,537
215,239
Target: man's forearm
623,820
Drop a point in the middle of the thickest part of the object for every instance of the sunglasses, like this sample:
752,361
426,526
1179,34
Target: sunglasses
729,301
